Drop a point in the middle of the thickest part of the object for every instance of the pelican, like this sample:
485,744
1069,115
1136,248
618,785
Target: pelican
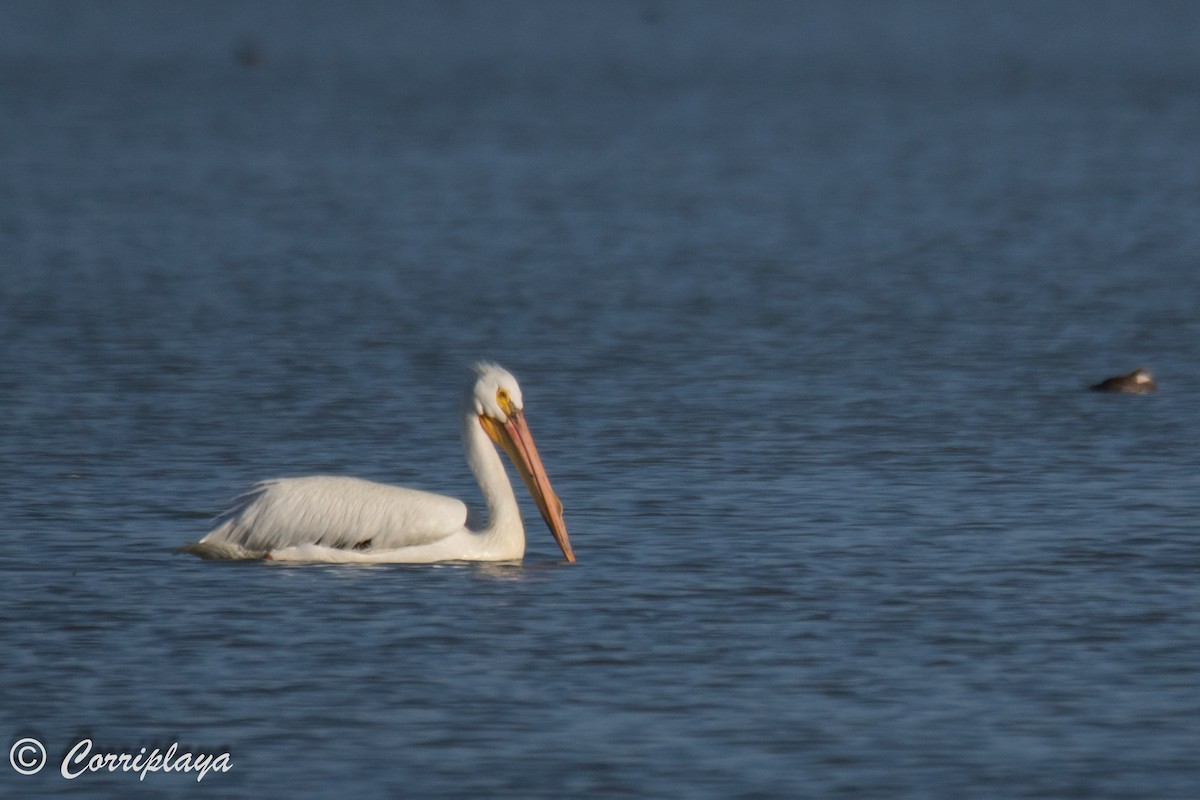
1140,381
335,519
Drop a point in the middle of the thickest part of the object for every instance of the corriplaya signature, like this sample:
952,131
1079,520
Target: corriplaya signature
28,756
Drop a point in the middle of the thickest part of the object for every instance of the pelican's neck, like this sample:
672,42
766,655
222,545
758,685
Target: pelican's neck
503,513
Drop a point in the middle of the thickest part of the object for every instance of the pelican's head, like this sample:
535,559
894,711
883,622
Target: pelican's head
500,409
1142,376
496,392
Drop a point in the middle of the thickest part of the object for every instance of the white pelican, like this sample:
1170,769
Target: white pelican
324,518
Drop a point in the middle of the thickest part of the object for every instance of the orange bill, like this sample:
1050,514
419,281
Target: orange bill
513,435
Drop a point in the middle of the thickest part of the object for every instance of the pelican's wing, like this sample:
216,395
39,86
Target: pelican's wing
345,513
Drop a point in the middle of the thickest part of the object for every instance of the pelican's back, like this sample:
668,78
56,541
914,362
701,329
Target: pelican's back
343,513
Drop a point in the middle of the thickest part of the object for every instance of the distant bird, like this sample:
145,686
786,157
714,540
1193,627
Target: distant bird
1140,381
334,519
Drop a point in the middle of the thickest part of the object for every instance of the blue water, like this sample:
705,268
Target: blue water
803,299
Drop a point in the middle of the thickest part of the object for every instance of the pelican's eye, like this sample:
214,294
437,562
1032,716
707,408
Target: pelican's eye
504,401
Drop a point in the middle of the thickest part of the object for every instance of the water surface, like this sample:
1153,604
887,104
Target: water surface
803,300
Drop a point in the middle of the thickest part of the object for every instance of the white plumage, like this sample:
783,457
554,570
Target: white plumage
327,518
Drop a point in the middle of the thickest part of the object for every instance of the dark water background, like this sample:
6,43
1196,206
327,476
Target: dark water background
802,296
